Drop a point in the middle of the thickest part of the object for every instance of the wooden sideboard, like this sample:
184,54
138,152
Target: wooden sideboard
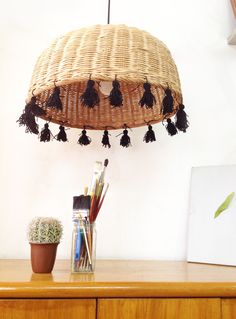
118,289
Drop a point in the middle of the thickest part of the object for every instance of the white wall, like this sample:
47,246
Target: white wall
146,210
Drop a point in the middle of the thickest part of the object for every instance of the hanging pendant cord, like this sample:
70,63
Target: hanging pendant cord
108,12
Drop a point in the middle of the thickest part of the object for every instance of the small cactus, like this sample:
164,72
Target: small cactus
44,230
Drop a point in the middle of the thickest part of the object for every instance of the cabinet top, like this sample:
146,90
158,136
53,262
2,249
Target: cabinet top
118,278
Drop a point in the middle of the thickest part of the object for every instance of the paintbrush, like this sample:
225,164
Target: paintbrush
104,170
99,189
97,171
81,207
100,203
86,242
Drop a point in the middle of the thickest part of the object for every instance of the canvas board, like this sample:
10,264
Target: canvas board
212,240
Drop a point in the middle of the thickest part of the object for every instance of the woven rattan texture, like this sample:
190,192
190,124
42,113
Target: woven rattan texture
105,52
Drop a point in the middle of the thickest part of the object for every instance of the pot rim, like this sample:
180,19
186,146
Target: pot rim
31,242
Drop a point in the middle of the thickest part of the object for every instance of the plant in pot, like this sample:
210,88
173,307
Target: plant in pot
44,234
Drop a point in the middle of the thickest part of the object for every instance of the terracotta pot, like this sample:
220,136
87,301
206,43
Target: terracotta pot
43,257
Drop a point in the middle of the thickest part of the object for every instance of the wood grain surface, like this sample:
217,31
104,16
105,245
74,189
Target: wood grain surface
48,309
117,278
228,308
159,308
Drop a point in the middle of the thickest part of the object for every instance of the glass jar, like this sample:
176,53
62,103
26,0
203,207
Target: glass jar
83,252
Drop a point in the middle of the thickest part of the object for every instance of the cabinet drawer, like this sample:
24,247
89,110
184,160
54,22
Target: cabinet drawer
229,308
163,308
48,309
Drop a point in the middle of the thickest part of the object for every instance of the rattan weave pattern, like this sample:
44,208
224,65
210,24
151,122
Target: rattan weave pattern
105,52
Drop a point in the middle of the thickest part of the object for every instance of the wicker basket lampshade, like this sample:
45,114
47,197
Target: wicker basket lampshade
103,54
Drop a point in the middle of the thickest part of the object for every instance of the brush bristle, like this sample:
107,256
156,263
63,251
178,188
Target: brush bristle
106,162
81,202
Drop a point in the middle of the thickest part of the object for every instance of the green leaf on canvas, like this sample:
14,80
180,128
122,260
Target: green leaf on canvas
224,205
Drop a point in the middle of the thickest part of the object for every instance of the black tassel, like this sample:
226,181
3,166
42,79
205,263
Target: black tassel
115,96
90,96
125,139
181,119
105,139
54,99
61,136
148,98
27,118
46,135
150,135
168,102
171,129
84,139
34,108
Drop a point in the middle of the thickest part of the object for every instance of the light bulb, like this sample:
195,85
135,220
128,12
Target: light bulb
105,87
